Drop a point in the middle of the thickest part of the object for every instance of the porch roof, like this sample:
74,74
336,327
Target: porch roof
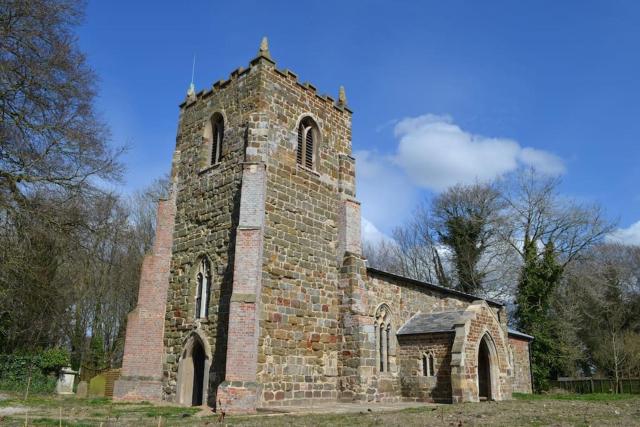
515,333
428,323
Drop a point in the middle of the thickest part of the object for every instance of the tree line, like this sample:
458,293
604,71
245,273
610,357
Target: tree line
520,240
70,250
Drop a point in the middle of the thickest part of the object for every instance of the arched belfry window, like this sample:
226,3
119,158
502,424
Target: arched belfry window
217,125
383,334
213,140
203,288
308,139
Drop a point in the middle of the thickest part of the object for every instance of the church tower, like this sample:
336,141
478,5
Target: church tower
240,302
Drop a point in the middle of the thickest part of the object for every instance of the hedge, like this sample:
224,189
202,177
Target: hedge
43,368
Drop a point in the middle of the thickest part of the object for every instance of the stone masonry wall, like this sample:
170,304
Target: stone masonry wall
208,202
521,365
413,384
299,337
405,299
481,321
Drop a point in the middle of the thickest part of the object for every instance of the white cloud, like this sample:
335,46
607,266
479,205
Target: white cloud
436,153
626,236
544,162
386,194
371,234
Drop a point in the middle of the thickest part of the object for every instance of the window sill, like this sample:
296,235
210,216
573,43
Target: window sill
209,168
308,170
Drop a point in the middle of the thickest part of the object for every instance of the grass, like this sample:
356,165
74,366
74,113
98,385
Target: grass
56,422
587,397
533,410
45,410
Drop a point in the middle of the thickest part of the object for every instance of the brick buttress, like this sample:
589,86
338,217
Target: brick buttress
142,365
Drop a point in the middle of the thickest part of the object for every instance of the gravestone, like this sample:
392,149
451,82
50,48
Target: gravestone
65,382
82,390
97,386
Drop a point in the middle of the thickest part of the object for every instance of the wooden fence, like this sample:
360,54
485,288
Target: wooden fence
593,385
111,375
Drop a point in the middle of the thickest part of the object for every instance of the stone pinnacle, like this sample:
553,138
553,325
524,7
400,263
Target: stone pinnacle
342,97
264,48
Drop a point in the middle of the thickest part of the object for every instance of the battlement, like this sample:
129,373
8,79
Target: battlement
264,57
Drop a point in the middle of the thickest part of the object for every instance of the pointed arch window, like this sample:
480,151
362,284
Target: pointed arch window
203,287
383,333
308,138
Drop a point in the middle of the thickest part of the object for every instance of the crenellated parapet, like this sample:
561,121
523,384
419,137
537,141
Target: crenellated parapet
264,60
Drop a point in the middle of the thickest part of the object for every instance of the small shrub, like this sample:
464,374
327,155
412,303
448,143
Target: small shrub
53,359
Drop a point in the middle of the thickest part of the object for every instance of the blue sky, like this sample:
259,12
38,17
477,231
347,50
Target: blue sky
441,91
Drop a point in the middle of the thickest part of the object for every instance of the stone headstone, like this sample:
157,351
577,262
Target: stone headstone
83,389
97,386
66,378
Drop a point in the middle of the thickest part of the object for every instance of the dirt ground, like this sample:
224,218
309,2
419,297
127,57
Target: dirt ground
565,410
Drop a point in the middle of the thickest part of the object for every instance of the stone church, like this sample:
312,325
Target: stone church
256,293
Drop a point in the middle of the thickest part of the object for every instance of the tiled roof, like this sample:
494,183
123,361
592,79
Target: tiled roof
520,334
430,323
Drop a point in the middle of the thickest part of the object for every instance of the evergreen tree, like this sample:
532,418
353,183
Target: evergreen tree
539,278
97,355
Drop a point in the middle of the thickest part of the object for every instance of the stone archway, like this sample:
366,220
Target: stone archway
479,356
487,369
193,371
197,358
484,372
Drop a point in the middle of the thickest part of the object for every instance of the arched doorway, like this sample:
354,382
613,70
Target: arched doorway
197,357
193,372
484,371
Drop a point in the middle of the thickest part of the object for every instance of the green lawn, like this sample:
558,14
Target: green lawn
588,397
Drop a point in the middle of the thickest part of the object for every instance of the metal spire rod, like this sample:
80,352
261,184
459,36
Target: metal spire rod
193,68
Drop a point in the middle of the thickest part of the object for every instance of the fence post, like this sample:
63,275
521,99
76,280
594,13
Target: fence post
591,385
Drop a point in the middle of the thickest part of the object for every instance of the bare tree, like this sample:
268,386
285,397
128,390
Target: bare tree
50,136
538,214
63,238
417,250
604,283
143,206
382,255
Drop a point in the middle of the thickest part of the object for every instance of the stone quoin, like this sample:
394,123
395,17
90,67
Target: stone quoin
256,293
